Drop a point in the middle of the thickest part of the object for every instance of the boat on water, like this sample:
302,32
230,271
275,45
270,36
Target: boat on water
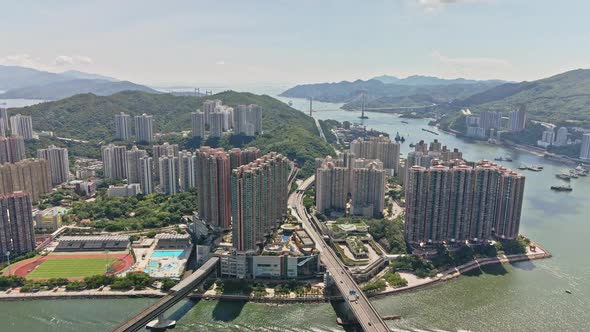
578,172
429,131
506,158
573,175
568,291
523,167
535,168
406,122
562,188
412,145
563,176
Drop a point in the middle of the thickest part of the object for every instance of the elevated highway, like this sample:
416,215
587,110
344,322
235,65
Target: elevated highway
176,293
360,306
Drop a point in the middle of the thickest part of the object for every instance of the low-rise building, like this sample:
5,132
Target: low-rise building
127,190
88,188
172,241
49,219
272,267
93,243
303,241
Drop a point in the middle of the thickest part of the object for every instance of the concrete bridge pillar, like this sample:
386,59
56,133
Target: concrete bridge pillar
161,324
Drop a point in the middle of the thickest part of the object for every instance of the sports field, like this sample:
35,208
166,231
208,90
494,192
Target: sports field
70,268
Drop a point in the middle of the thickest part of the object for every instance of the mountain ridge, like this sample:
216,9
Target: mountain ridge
65,89
90,117
345,91
419,80
564,97
30,83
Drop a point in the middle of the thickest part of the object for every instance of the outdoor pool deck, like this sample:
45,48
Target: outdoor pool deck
161,263
168,254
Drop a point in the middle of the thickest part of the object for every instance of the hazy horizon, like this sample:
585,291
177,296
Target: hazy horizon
293,42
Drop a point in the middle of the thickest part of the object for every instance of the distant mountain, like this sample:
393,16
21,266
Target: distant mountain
29,83
64,89
12,77
74,74
344,92
418,80
563,97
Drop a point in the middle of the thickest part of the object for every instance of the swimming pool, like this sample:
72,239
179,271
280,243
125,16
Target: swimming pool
167,253
158,267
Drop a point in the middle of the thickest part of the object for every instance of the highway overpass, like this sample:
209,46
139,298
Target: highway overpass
360,306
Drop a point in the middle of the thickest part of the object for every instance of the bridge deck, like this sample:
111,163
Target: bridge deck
176,293
365,313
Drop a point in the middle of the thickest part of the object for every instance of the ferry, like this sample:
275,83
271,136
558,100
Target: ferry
563,176
562,188
535,168
507,158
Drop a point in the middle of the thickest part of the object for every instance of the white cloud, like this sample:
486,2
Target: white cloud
21,60
471,62
430,6
67,60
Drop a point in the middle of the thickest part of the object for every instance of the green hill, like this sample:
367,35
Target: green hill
561,98
347,92
91,117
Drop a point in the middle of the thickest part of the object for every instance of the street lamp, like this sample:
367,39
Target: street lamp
8,259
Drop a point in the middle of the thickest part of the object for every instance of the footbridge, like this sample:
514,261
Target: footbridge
176,293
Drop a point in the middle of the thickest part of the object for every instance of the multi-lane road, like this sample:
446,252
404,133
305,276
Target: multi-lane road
363,310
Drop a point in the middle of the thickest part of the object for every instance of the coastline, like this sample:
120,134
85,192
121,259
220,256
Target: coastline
86,294
449,274
457,271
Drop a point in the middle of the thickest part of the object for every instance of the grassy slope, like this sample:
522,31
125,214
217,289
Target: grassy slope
560,98
91,117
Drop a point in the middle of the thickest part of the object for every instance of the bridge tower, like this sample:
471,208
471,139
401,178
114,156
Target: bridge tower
363,104
310,106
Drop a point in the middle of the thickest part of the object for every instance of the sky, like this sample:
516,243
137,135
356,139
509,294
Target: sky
225,42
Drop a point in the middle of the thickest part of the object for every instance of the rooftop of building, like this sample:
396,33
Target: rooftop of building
53,211
170,236
94,238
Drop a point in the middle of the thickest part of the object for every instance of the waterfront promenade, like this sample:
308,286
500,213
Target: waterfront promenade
455,272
